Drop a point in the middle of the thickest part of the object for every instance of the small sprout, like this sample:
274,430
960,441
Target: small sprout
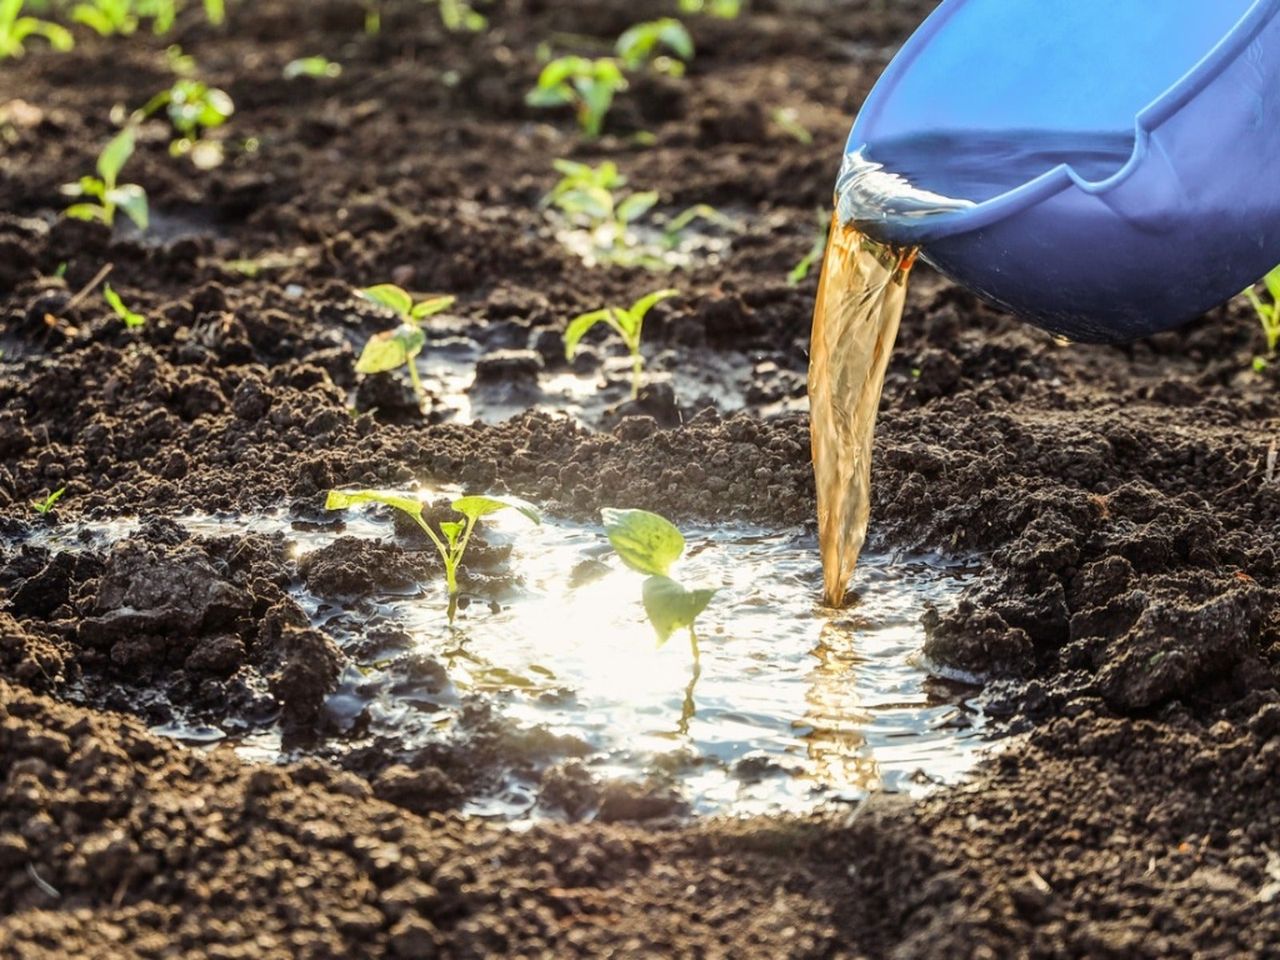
107,17
397,348
725,9
588,85
453,536
641,45
1268,313
315,67
131,319
45,507
800,272
628,323
194,108
674,231
650,544
215,11
788,121
111,196
15,30
458,15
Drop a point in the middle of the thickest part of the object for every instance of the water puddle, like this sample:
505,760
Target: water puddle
796,706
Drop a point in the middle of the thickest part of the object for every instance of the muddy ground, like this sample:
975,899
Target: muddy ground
1128,618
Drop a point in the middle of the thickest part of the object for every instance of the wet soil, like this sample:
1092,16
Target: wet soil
1125,502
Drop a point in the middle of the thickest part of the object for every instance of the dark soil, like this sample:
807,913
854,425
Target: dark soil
1128,619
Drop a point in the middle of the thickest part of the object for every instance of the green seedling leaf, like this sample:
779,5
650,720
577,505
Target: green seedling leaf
391,350
131,319
315,67
636,206
452,530
431,306
84,211
343,499
475,507
578,328
391,296
115,155
646,542
670,606
45,506
132,199
640,309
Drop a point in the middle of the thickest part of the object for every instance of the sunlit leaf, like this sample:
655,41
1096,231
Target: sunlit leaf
578,328
132,199
342,499
389,351
475,507
645,541
431,306
670,606
131,319
115,155
389,295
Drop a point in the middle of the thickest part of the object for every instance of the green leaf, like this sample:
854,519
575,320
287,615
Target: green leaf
389,295
578,328
216,11
549,96
670,606
640,309
646,542
132,199
85,211
475,507
115,155
1272,282
131,319
342,499
43,507
431,306
311,67
637,205
391,350
452,530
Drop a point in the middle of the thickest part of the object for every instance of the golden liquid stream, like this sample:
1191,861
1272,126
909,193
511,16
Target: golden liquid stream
861,293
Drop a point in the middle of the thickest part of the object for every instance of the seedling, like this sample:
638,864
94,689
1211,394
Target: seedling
315,67
674,231
131,319
104,188
591,197
588,85
627,323
650,544
45,507
453,536
397,348
802,269
194,108
15,30
788,120
457,15
725,9
640,45
1268,315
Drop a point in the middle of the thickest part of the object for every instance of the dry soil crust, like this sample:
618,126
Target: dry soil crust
1130,613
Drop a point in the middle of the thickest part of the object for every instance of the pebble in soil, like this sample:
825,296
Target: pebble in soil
552,669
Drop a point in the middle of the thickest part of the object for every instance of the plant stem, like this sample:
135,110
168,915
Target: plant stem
693,646
637,372
417,382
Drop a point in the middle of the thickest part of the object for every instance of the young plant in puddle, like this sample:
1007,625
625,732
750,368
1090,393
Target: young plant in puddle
397,348
1268,316
643,44
650,544
453,536
106,190
131,319
626,322
194,108
45,507
588,85
16,29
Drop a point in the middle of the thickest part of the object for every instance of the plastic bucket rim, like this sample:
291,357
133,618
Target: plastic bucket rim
1063,176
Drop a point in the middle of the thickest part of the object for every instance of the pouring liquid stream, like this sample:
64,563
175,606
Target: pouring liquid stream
863,289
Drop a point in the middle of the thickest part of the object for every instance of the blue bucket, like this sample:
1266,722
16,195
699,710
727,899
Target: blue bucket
1122,157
